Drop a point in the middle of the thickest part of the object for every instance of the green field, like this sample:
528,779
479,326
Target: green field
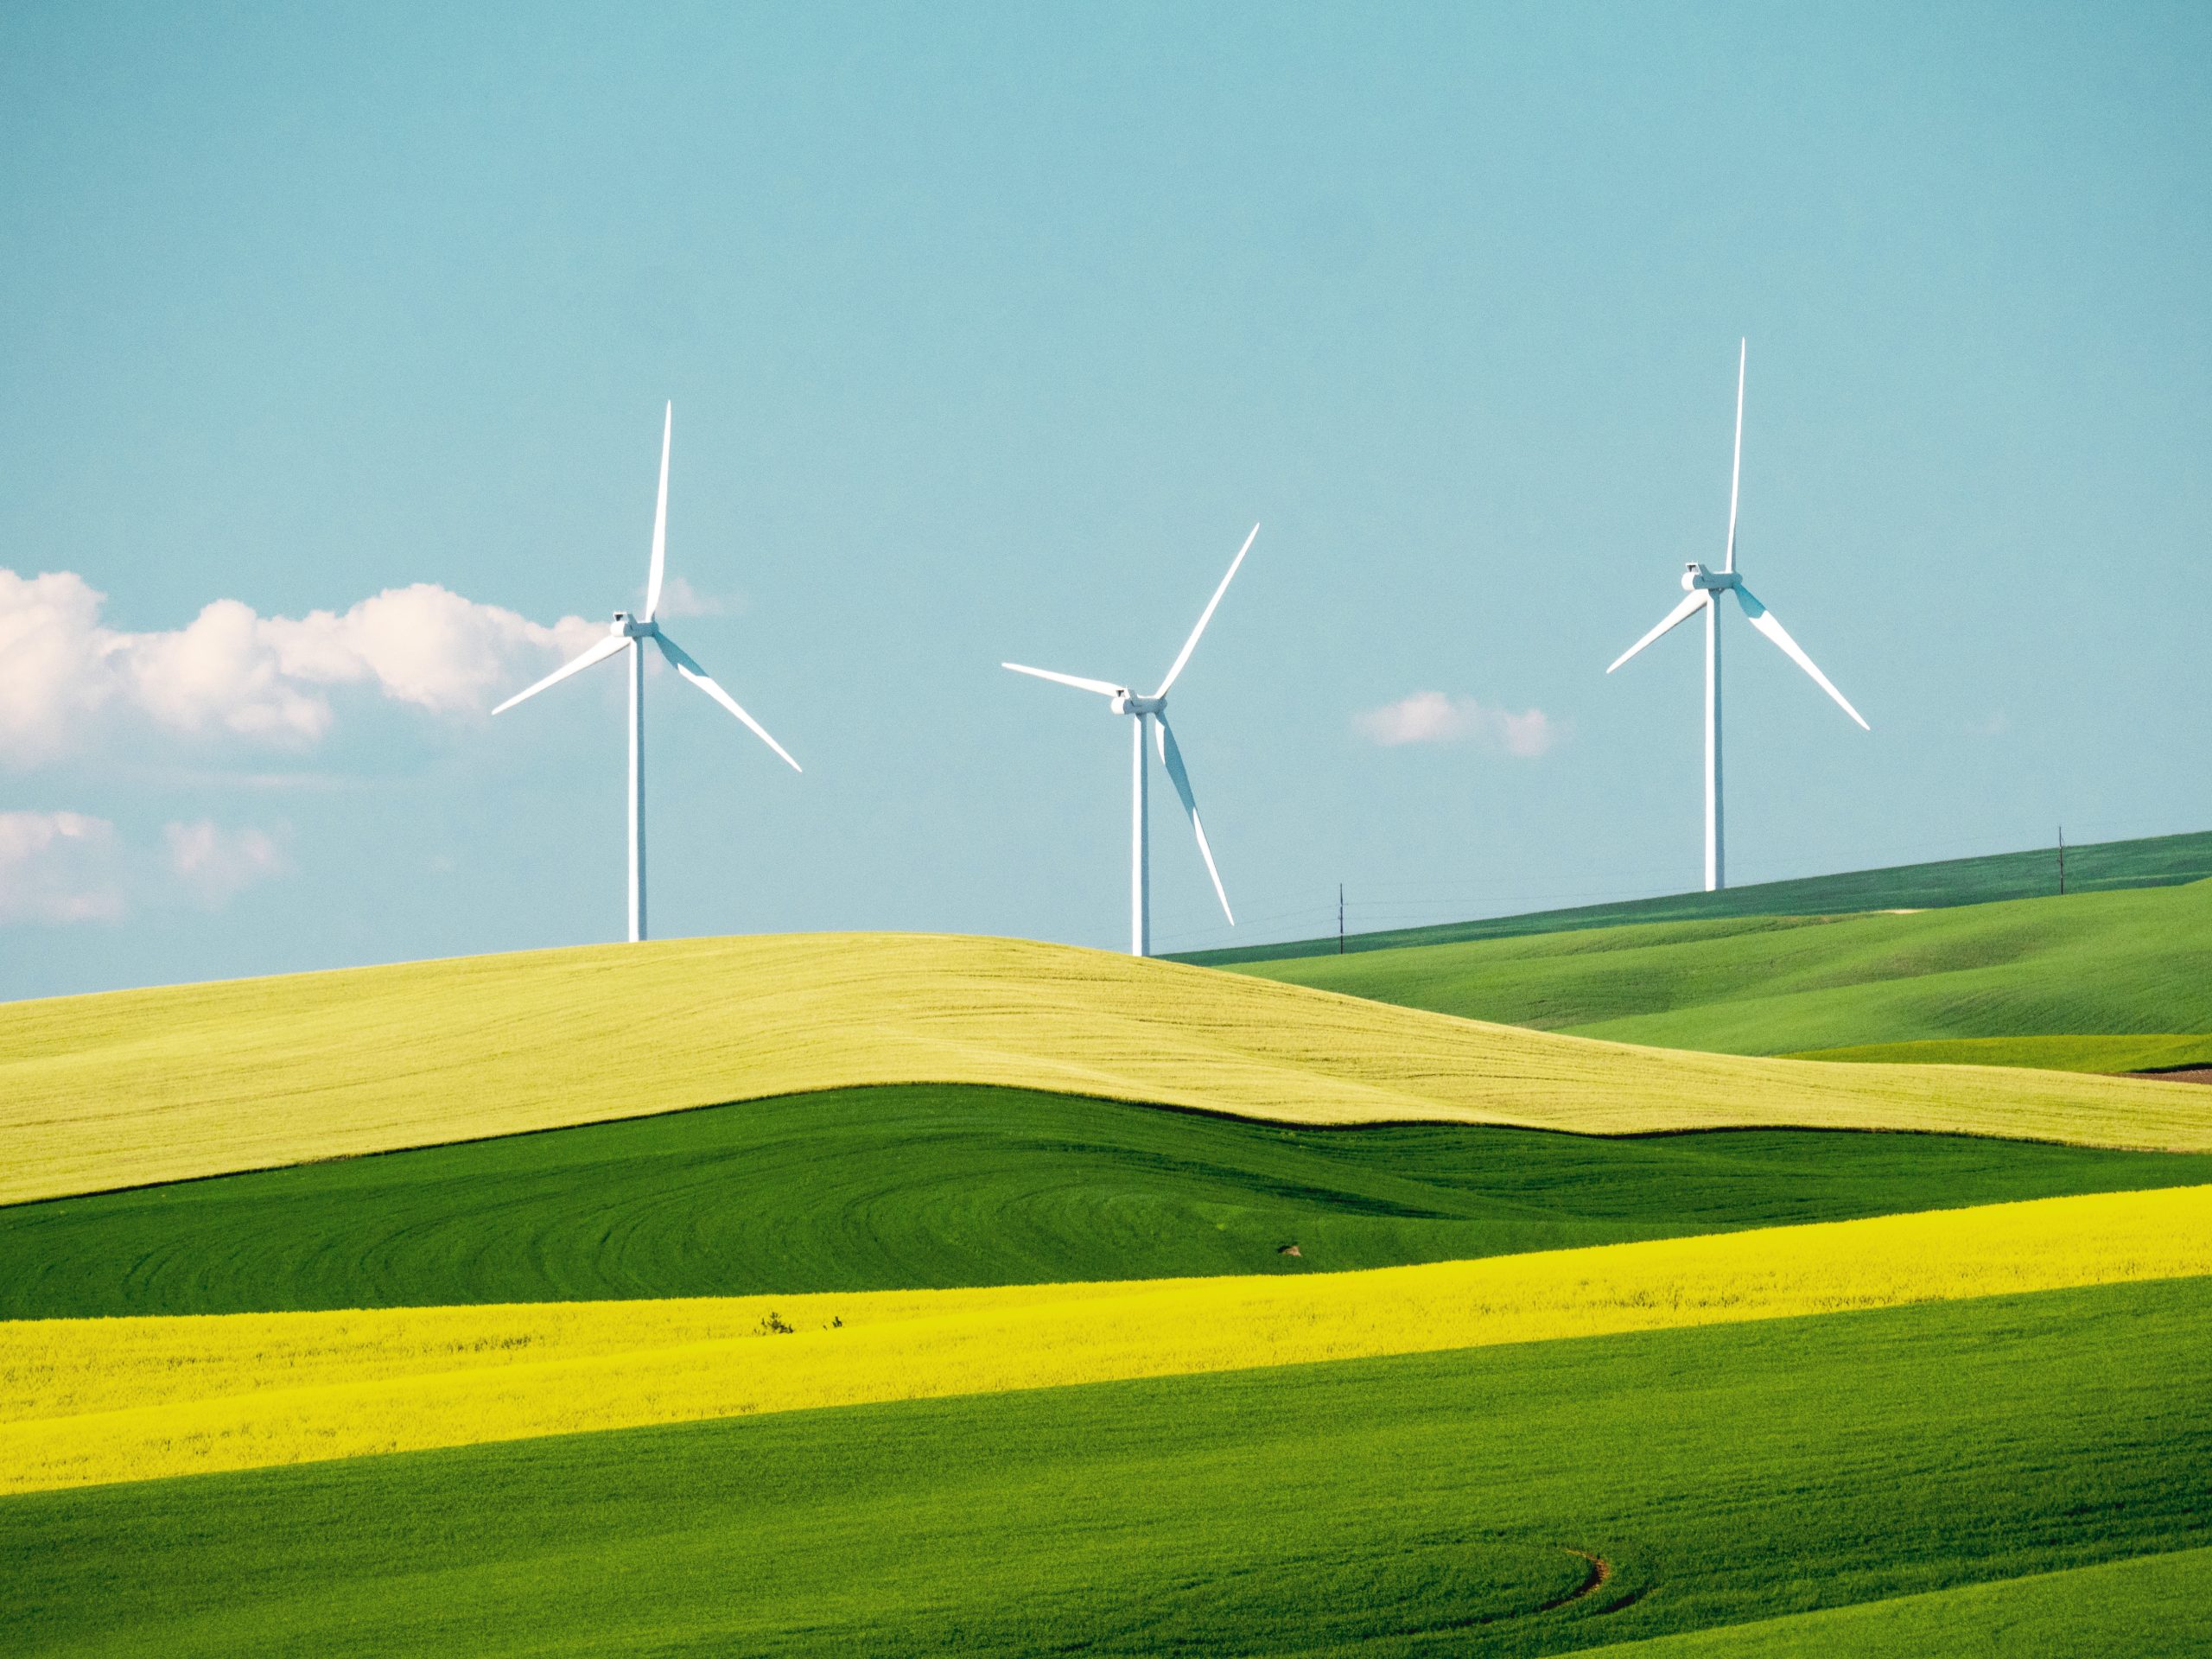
2161,860
876,1112
942,1185
1423,1505
2145,1607
2113,981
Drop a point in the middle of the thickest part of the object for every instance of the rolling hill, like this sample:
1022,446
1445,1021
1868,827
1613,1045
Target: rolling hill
945,1184
2154,861
2105,982
714,1295
133,1088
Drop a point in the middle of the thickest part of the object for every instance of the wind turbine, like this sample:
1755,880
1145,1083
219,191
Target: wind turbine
629,633
1704,588
1143,710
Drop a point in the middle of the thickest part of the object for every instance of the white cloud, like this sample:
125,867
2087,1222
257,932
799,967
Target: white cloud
59,866
66,679
55,673
219,673
1433,717
214,865
1526,734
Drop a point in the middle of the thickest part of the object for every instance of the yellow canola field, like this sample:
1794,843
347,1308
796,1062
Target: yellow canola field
130,1088
87,1401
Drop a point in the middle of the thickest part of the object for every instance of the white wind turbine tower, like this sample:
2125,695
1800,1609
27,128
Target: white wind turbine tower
1142,710
629,633
1704,588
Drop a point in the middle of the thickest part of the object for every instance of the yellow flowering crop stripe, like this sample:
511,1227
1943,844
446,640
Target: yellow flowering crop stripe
86,1401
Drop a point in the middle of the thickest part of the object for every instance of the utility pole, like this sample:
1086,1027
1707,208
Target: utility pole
1340,918
2062,861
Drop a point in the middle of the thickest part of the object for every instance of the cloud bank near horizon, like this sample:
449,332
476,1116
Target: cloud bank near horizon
67,680
60,868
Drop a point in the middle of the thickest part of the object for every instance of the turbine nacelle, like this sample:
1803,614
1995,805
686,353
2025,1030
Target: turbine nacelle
1696,576
1127,703
628,626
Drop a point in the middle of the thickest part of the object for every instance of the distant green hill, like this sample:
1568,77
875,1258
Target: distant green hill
941,1185
2159,861
2094,981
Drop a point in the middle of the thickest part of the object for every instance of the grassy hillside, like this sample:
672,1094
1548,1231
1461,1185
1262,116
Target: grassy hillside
2106,982
1391,1507
137,1087
2161,860
2145,1607
925,1185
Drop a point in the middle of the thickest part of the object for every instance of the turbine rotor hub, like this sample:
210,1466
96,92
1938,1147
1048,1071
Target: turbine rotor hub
1696,576
631,628
1127,703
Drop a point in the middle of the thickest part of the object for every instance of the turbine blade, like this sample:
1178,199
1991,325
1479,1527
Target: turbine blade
576,665
1206,616
1075,680
1172,755
660,518
1736,476
1691,603
683,662
1763,620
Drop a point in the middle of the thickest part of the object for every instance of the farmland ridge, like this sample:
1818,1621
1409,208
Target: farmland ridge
133,1088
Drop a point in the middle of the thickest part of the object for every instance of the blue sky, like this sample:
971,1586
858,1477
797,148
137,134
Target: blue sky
990,331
